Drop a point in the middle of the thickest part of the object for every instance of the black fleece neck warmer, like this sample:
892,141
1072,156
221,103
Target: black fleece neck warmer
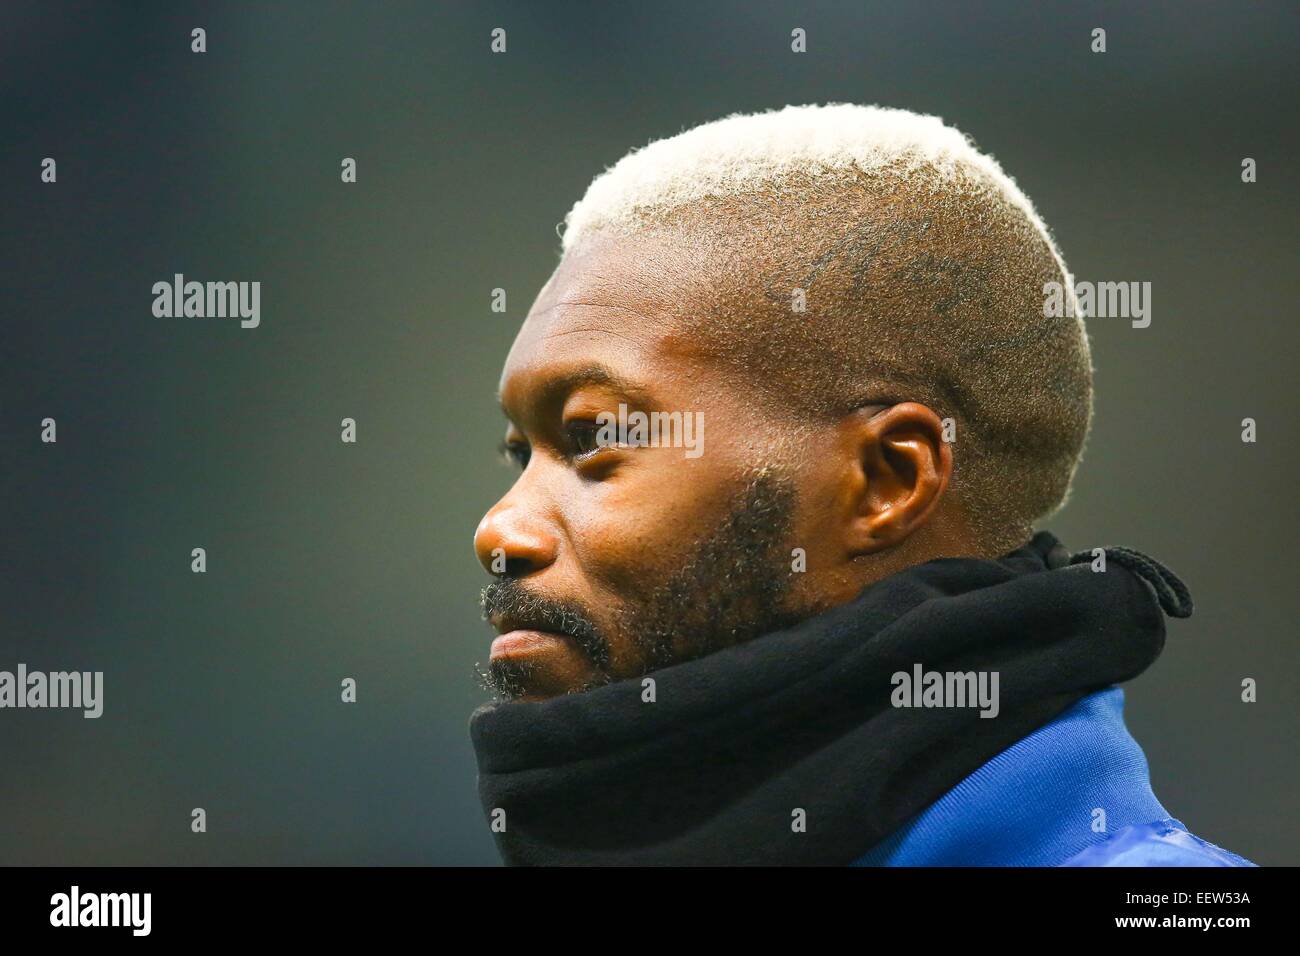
788,749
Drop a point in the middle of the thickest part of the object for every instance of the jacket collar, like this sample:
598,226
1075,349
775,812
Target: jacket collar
1035,803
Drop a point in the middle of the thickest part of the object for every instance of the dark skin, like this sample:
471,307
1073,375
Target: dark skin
588,524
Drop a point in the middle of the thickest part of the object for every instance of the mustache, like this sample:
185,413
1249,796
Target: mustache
508,598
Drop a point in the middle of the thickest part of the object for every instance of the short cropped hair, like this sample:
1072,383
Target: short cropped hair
921,266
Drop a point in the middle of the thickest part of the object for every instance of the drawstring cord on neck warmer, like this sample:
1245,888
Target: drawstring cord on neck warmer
1172,593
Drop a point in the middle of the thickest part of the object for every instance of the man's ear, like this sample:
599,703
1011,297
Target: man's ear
900,470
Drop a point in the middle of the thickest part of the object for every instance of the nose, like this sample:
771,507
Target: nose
512,540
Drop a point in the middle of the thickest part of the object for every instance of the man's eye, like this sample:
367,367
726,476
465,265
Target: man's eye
516,453
583,438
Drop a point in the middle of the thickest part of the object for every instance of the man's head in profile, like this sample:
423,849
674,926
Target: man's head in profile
843,306
767,586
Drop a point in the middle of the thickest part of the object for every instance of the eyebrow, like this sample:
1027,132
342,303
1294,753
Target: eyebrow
563,385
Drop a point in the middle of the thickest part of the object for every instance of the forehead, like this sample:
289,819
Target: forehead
614,302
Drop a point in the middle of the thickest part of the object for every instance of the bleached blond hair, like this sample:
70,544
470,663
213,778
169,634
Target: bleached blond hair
932,263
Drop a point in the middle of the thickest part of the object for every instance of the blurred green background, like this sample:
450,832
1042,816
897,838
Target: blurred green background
328,560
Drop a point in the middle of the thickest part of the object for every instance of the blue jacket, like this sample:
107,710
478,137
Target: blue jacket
1035,804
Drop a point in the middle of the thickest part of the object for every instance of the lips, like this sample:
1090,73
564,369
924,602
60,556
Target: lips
525,642
519,638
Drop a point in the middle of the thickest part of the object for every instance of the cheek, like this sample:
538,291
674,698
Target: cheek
629,531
